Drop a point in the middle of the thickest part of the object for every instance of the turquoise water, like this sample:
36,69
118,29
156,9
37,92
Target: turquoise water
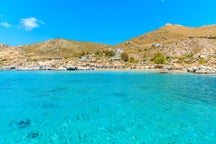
107,108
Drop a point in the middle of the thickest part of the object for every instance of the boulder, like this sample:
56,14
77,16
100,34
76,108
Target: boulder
202,70
62,68
71,68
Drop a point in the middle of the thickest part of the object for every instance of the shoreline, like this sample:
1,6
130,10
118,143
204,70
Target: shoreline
162,70
159,71
144,70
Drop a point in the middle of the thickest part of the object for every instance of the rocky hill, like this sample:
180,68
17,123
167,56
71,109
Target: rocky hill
45,51
168,34
60,48
176,42
168,45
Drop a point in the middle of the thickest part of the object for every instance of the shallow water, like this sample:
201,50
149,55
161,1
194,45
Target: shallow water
106,108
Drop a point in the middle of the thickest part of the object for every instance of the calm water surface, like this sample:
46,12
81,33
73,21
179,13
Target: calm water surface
107,108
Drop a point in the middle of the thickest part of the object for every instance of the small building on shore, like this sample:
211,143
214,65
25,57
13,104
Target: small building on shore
118,50
84,58
116,58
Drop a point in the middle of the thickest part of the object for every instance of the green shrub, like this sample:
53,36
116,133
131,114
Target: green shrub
202,61
159,59
81,54
3,59
99,53
133,60
109,53
211,37
124,56
183,58
188,56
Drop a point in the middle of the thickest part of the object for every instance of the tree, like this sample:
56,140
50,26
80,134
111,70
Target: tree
159,59
109,53
124,56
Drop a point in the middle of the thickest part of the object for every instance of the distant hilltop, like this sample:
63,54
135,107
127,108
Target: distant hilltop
173,45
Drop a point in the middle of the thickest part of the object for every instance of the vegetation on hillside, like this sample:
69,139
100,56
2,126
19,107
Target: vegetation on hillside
62,48
109,53
159,59
166,45
124,56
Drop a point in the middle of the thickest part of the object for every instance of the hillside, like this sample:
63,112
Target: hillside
176,44
174,41
166,35
44,51
60,48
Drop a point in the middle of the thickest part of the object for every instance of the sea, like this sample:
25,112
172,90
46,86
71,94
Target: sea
107,107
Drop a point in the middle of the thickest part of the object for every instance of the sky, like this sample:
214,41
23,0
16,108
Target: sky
102,21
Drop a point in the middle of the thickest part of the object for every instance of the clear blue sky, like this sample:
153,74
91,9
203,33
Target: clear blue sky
103,21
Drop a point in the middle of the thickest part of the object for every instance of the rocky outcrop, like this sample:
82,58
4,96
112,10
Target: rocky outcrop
202,70
46,67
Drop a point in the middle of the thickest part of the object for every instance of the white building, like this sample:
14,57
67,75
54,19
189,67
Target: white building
118,50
